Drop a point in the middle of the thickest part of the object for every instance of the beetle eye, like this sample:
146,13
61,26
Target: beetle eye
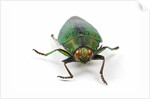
77,54
90,52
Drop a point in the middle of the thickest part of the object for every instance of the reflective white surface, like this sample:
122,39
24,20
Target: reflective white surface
28,24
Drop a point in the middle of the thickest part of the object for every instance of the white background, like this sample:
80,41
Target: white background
28,24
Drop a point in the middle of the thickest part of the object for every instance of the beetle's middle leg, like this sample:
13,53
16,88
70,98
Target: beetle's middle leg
68,60
103,48
98,57
60,50
54,37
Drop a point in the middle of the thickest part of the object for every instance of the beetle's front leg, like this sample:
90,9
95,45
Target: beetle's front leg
98,57
68,60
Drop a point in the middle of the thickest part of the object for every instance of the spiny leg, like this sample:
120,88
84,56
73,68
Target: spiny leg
39,52
54,37
60,50
97,57
101,70
70,74
68,60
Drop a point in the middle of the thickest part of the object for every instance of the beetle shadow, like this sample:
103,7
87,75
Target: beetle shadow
57,66
51,63
105,71
46,60
92,68
111,67
90,71
80,70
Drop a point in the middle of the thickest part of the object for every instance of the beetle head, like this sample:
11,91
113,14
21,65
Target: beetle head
83,55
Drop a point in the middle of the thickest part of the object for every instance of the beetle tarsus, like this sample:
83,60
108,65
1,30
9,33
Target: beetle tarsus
116,48
69,77
39,52
52,35
104,81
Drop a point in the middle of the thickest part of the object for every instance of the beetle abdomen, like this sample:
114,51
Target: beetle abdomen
76,26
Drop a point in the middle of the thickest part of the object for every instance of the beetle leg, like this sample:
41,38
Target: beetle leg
54,37
60,50
68,60
103,48
97,57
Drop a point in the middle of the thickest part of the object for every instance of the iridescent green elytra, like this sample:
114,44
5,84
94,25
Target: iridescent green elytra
81,41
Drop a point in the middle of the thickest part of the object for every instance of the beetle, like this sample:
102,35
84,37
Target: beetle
81,43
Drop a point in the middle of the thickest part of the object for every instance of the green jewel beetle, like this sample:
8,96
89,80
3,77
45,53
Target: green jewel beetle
81,41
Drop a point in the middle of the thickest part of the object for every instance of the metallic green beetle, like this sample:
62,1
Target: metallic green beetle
81,41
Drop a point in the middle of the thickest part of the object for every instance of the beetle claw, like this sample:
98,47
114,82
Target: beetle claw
116,48
104,81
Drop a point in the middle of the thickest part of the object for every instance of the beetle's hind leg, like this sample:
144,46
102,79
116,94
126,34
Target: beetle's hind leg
68,60
54,37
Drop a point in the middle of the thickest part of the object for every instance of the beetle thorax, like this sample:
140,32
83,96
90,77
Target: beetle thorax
83,55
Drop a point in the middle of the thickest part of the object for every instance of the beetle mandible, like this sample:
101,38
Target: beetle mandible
81,41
